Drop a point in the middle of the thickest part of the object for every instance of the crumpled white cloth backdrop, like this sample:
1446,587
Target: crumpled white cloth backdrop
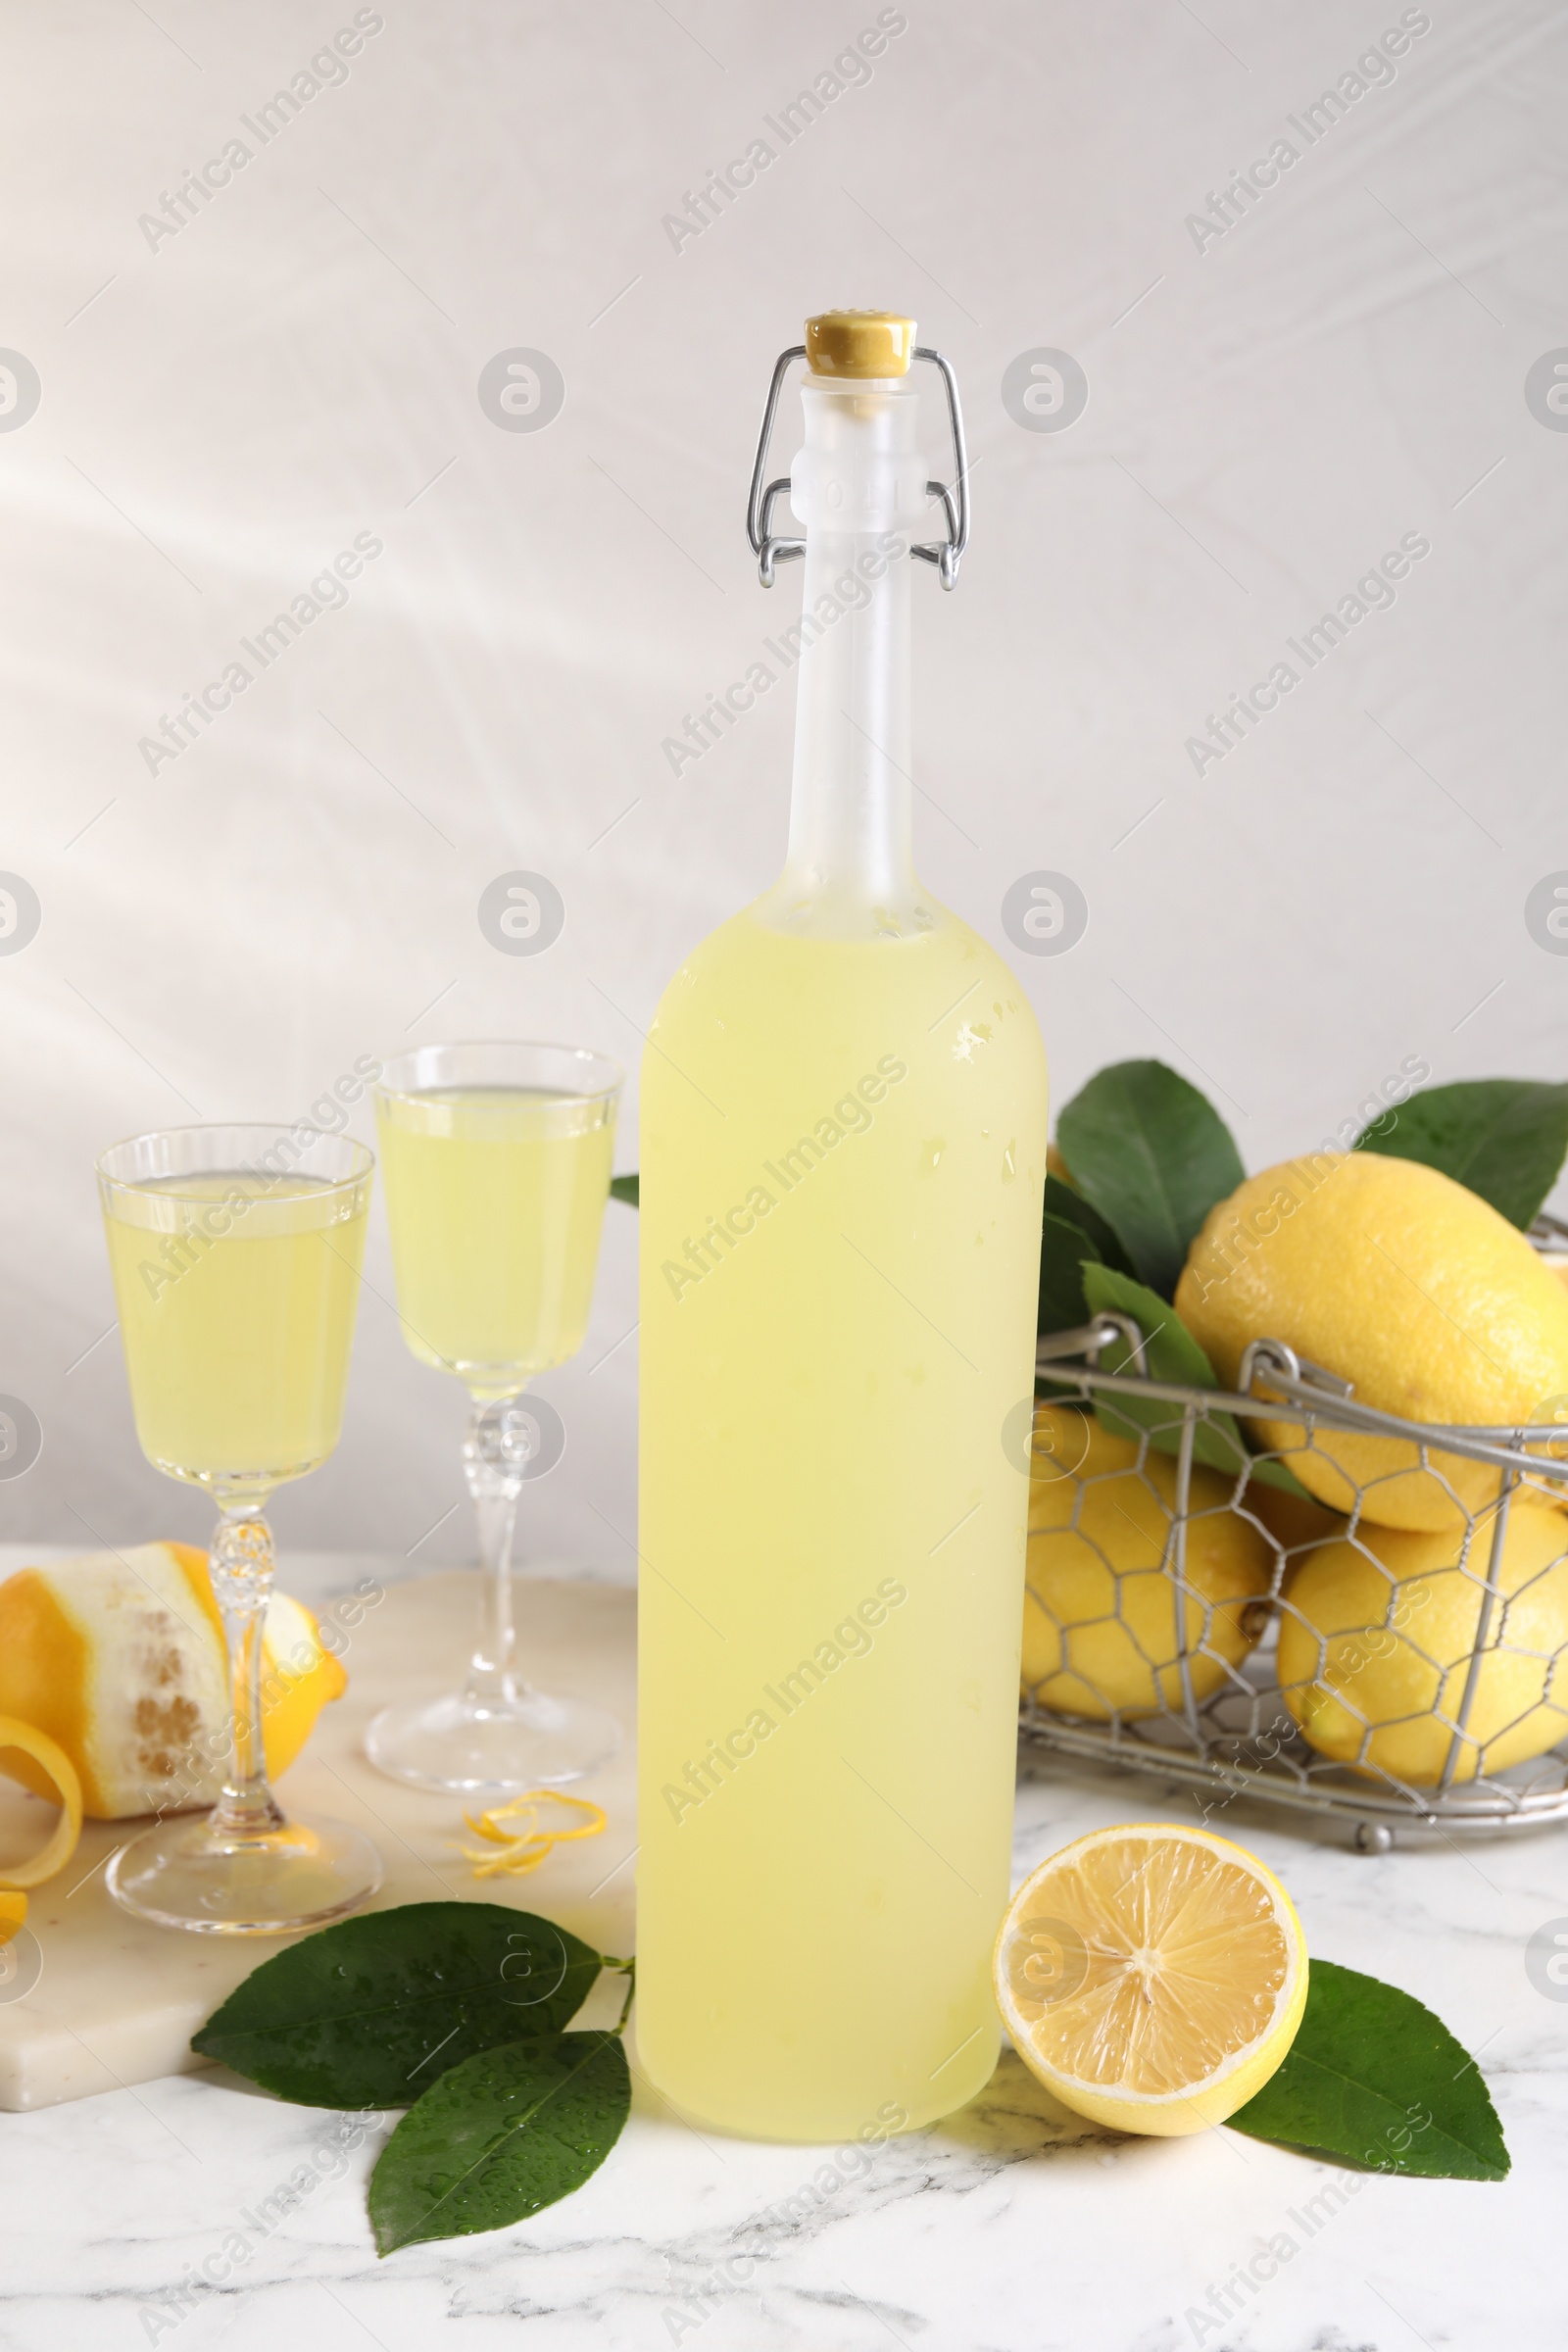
224,408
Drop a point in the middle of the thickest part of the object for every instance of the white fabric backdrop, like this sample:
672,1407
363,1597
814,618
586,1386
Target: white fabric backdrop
224,409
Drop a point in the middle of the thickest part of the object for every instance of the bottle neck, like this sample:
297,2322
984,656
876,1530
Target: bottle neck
859,487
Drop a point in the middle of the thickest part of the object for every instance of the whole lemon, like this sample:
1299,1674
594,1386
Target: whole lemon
1102,1634
1375,1652
1403,1283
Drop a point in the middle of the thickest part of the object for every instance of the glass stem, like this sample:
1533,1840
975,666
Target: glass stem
495,1453
241,1562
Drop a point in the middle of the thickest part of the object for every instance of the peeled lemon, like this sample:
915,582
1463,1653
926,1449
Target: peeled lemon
1401,1281
1375,1650
1104,1624
118,1657
1152,1976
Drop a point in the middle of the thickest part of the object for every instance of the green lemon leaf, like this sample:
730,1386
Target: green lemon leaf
506,2133
1072,1232
1153,1157
1070,1206
624,1188
369,2012
1504,1138
1172,1354
1372,2076
1063,1251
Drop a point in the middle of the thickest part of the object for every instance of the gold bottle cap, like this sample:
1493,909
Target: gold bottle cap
860,343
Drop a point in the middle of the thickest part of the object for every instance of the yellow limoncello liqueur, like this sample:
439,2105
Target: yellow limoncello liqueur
497,1194
237,1296
843,1154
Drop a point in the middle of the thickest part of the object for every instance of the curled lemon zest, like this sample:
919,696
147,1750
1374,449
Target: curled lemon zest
524,1848
61,1843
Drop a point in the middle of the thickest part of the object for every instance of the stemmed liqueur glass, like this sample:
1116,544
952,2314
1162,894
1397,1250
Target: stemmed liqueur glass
235,1253
496,1159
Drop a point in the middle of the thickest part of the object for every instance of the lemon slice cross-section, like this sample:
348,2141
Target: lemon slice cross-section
1152,1976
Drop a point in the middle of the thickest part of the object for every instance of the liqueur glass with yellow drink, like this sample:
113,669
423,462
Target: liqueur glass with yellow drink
235,1253
496,1158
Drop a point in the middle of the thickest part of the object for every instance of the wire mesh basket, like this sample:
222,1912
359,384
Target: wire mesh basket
1236,1616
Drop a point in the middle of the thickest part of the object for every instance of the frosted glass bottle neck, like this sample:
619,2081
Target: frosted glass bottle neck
859,487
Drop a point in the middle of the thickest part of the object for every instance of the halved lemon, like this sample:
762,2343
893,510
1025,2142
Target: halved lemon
1152,1976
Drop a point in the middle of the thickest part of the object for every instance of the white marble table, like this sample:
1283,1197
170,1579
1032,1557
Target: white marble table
1010,2228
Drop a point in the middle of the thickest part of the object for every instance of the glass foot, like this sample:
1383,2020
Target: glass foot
458,1744
188,1873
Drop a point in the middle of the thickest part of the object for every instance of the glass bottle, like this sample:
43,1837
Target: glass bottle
843,1155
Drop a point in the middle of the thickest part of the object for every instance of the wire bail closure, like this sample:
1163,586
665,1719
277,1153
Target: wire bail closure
946,553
